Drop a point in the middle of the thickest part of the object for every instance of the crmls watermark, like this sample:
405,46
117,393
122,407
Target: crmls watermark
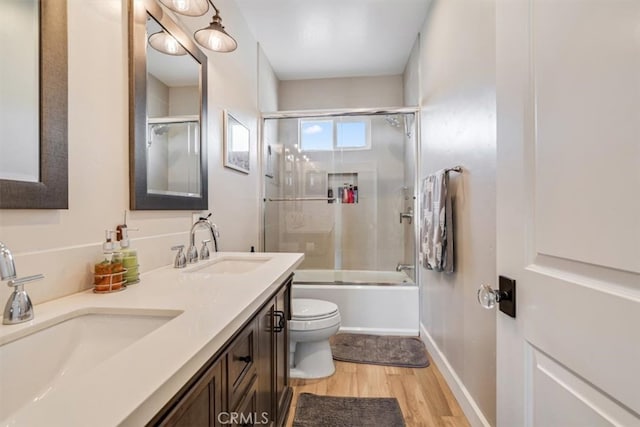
239,418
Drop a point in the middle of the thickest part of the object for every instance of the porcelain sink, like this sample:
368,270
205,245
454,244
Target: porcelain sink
235,264
35,360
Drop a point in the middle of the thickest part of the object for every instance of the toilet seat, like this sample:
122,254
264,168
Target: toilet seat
312,309
310,314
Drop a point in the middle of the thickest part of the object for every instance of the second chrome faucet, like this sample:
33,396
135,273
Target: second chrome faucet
192,257
192,252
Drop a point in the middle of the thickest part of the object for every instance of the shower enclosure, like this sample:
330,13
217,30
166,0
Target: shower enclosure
173,158
341,188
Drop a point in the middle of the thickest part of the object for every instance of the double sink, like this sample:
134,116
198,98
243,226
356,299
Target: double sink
37,359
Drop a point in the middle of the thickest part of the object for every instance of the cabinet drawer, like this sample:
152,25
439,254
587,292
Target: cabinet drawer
241,365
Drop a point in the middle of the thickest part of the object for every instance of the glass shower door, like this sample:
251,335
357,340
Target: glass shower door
335,188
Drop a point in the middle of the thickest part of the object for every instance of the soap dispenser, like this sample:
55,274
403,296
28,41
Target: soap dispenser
127,254
108,274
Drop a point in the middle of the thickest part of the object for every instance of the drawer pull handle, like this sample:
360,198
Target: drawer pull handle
281,320
245,359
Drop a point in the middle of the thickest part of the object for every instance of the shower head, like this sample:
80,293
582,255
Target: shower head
393,121
159,129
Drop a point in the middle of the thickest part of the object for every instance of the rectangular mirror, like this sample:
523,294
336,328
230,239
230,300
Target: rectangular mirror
168,163
33,104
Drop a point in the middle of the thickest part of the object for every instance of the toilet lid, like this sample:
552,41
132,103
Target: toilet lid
309,309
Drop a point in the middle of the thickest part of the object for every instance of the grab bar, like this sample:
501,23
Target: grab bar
303,199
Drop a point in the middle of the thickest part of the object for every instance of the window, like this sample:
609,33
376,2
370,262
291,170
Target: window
351,134
316,135
335,134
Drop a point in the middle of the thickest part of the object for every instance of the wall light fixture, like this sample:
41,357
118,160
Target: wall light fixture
214,37
166,43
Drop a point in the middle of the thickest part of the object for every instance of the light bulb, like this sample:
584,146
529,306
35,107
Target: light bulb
181,5
165,43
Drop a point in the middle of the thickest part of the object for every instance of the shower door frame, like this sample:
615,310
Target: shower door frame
302,114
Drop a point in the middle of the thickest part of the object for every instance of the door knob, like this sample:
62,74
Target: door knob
504,296
488,298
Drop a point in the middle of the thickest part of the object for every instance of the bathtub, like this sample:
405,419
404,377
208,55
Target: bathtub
370,302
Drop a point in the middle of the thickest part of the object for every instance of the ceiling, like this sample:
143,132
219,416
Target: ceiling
307,39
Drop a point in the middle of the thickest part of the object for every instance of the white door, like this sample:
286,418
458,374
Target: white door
568,108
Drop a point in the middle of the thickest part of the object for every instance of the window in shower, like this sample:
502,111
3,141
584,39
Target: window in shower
316,135
352,134
344,133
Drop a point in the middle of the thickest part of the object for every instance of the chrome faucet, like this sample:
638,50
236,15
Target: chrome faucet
192,252
19,308
404,267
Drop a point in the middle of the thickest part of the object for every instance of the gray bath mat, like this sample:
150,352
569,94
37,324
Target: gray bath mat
405,352
330,411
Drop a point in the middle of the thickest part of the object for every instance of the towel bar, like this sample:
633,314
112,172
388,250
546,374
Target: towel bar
454,169
302,199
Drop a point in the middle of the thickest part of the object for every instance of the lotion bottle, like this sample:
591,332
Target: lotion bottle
128,255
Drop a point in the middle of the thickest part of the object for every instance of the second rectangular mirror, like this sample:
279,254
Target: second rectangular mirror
168,113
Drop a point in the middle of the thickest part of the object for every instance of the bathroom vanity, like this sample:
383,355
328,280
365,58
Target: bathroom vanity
184,347
246,382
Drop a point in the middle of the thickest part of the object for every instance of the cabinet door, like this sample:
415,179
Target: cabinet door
281,362
247,413
201,404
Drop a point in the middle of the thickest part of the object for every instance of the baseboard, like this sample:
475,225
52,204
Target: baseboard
469,407
380,331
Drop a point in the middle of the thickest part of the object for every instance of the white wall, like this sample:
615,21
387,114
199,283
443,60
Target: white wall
350,92
457,98
63,244
184,100
268,84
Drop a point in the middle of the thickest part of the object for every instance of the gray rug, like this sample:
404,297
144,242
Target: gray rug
405,352
330,411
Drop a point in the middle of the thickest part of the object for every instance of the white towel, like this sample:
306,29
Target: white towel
436,231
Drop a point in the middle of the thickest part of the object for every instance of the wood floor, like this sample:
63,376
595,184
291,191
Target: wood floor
423,394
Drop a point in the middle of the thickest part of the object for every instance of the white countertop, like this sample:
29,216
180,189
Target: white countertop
133,385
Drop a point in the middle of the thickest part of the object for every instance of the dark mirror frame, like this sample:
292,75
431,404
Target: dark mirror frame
139,198
51,192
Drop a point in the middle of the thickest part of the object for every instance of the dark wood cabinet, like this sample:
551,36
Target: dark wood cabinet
282,391
201,403
246,383
266,347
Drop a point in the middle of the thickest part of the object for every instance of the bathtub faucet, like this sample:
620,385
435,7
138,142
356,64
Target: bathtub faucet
405,267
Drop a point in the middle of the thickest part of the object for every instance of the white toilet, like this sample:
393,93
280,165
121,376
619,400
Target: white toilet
312,323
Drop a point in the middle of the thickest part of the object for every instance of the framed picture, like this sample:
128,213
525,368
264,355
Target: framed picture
236,144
